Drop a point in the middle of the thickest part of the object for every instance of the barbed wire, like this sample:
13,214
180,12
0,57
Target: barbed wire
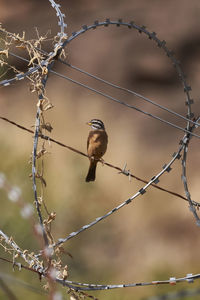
123,171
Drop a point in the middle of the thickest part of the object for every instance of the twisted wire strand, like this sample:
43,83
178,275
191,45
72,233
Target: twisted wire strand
123,103
128,91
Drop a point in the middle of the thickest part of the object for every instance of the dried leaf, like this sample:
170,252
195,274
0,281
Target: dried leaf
48,106
4,52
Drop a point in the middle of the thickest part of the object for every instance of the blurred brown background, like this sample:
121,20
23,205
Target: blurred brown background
155,237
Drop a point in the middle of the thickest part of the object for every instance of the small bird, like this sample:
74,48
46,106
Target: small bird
96,146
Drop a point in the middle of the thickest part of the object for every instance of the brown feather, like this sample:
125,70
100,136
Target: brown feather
97,143
92,171
96,148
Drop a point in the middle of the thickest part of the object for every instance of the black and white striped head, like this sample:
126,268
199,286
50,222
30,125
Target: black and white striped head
96,124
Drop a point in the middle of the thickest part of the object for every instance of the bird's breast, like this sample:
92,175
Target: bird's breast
97,143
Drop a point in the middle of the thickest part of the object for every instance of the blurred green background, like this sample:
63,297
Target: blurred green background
153,238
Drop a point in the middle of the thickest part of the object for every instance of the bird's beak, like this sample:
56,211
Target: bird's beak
89,123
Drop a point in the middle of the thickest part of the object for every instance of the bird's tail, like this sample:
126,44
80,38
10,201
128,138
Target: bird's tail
91,172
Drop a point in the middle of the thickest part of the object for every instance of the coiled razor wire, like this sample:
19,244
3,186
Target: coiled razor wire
184,143
89,287
48,63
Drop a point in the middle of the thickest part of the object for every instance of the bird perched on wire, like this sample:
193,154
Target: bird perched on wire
96,146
